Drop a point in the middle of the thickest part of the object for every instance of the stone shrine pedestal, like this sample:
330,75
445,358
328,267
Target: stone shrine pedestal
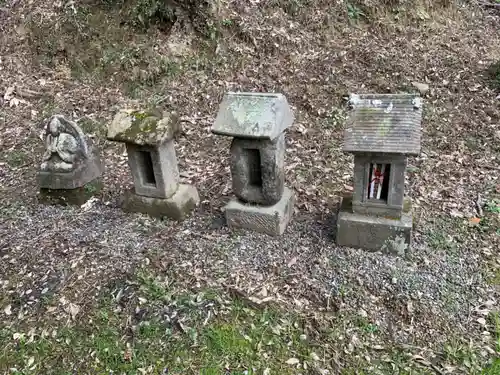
374,233
271,220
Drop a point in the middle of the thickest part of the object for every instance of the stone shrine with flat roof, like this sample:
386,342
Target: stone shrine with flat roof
149,139
257,122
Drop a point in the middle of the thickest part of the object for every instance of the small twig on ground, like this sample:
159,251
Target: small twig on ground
487,4
28,94
479,205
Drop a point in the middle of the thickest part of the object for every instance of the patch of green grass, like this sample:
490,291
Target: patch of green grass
439,240
151,287
367,326
494,75
91,188
464,355
15,210
493,206
354,12
494,322
493,369
157,328
490,222
15,158
495,277
242,338
446,234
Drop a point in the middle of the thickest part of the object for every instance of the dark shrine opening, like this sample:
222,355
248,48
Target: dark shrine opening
254,167
146,168
378,182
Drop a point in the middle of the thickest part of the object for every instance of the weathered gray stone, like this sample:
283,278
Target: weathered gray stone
384,123
76,196
70,160
149,138
83,174
253,115
382,130
154,169
176,207
271,220
144,128
257,169
373,232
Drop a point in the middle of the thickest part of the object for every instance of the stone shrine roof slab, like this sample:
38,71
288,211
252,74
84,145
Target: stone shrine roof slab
143,128
253,115
384,123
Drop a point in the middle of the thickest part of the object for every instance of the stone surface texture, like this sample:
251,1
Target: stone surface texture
253,115
384,123
70,160
176,207
271,220
65,145
84,173
394,205
373,233
143,128
269,189
76,196
422,88
163,167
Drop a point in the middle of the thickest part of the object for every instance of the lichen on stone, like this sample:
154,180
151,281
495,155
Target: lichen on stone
143,127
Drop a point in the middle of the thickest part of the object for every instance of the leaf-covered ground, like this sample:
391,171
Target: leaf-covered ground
92,290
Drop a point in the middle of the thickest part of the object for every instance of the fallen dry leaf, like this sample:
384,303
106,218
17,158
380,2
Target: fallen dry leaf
474,220
8,310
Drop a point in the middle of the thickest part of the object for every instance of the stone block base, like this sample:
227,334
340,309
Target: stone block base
271,220
76,196
177,207
374,233
88,171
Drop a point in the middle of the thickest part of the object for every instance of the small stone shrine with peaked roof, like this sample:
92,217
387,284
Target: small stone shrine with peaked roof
149,140
257,122
381,131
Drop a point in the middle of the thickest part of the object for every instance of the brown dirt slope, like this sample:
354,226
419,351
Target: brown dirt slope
58,57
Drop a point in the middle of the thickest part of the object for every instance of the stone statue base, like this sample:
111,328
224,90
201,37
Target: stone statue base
76,196
89,170
177,207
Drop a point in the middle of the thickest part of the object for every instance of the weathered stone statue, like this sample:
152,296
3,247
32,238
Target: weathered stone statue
71,168
65,145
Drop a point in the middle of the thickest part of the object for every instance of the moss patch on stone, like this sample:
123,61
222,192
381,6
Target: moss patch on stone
143,127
